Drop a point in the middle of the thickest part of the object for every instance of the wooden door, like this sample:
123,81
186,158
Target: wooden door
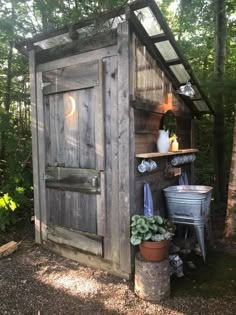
73,143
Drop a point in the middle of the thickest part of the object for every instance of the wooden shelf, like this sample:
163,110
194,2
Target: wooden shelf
158,154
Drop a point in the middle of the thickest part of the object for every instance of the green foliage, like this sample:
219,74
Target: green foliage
15,170
153,228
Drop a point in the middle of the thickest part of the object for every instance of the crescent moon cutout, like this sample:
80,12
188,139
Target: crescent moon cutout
73,106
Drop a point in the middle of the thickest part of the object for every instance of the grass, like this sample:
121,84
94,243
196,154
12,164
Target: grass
215,278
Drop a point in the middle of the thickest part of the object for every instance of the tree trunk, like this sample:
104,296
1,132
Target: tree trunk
219,68
7,102
230,224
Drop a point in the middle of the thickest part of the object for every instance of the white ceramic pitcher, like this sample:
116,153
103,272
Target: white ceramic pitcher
163,142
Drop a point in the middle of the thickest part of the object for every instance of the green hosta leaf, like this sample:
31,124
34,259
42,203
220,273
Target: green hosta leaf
141,221
135,217
162,230
133,224
134,232
143,229
135,240
159,219
151,220
147,236
154,227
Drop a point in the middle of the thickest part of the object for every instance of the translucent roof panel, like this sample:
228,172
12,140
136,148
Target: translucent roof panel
54,41
180,73
113,23
148,21
166,49
201,106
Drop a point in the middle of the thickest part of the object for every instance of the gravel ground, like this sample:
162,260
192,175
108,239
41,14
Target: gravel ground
35,281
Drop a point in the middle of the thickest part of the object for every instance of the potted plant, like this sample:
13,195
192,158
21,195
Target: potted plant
153,235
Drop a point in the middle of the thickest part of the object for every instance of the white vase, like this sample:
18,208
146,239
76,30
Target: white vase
163,142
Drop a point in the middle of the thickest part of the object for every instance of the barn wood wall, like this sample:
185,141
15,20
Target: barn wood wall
149,99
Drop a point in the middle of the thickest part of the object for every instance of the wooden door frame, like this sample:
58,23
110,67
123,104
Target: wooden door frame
38,133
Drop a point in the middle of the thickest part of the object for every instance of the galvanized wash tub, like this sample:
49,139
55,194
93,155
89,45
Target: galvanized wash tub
189,201
190,204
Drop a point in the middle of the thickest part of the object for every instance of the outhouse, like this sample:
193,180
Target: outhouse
99,89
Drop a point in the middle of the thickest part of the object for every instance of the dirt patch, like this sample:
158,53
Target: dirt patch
35,281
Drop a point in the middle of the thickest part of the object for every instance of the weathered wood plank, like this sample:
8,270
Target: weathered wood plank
34,130
71,129
8,249
99,120
144,37
158,154
101,208
77,46
82,241
41,157
71,78
182,111
145,143
55,130
73,179
87,156
124,145
56,210
99,148
147,121
87,101
84,258
111,239
73,217
80,58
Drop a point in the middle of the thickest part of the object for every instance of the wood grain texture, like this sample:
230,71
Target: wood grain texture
71,144
93,261
157,154
111,239
41,157
80,58
83,241
34,131
99,119
124,145
101,208
73,179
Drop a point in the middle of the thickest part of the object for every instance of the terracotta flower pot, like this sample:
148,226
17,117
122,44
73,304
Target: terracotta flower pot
155,251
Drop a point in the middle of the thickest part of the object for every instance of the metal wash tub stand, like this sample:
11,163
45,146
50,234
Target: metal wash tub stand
190,204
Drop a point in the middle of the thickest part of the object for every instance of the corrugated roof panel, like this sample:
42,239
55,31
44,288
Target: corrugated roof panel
166,50
180,73
201,106
148,21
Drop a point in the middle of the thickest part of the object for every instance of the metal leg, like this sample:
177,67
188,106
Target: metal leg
200,237
209,230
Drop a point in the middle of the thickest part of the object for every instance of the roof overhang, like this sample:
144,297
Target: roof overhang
148,22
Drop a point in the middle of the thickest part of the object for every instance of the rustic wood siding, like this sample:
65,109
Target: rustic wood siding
151,87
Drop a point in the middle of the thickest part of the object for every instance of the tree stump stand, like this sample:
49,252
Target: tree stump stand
152,279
